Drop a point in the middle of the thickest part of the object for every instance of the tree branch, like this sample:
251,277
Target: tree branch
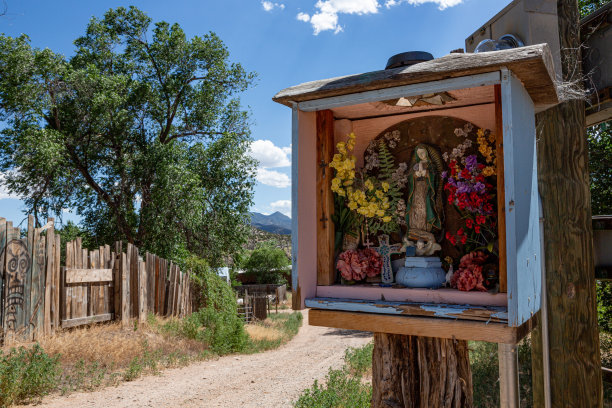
123,225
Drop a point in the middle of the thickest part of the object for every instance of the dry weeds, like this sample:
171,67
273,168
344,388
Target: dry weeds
113,346
261,332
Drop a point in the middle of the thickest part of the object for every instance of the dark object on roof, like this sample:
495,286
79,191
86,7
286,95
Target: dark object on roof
406,59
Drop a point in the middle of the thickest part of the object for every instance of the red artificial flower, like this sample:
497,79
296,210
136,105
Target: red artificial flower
488,207
453,240
466,174
464,239
477,229
480,219
460,231
480,178
448,235
469,223
469,274
461,205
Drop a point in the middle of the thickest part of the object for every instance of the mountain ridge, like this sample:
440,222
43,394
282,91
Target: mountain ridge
276,223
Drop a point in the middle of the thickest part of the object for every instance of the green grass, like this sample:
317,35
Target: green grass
343,388
26,375
288,324
346,388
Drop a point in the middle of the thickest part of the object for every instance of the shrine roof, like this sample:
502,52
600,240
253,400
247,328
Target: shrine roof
532,65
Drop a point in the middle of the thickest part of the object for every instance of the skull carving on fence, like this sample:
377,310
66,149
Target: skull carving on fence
17,266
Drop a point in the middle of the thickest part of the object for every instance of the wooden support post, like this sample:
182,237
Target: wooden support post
573,341
325,200
420,372
508,375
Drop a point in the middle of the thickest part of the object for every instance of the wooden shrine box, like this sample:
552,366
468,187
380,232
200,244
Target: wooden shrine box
500,91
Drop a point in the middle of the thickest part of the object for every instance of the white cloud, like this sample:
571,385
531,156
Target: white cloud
4,192
303,17
270,155
269,6
283,206
273,178
442,4
326,16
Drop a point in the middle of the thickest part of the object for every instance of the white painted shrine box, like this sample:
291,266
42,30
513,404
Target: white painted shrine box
500,91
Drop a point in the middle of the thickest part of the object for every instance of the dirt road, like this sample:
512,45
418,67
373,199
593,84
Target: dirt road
271,379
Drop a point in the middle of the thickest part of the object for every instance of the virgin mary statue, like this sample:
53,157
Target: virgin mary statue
424,213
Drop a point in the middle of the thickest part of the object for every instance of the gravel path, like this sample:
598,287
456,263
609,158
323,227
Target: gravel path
271,379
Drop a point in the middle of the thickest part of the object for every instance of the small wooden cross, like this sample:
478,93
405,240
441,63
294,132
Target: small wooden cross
385,250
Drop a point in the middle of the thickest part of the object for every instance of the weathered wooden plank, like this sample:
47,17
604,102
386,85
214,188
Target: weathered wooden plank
142,295
37,293
375,95
163,286
460,312
28,278
92,291
501,197
533,65
15,250
134,281
88,275
2,255
521,201
57,283
117,281
86,292
156,295
77,291
67,290
326,271
124,272
108,288
421,326
49,278
80,321
170,293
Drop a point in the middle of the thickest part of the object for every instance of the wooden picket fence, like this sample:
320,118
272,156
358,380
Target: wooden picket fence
38,296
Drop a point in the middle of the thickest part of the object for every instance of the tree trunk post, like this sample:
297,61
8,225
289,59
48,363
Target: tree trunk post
575,370
420,372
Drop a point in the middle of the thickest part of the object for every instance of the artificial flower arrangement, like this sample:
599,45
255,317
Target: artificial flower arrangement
374,198
357,265
469,185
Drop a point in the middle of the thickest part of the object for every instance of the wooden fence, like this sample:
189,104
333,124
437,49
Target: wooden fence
38,296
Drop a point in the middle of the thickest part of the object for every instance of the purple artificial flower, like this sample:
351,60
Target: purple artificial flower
444,174
479,187
471,162
464,187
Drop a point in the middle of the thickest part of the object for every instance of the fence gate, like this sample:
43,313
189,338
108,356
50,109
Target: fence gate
88,290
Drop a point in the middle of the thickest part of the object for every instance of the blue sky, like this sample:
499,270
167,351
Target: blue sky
286,42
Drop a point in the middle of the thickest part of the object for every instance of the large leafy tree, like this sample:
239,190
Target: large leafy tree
140,131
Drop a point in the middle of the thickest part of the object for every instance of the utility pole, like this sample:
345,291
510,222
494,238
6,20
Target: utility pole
573,338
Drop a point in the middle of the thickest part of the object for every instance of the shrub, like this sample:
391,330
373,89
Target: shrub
268,264
222,329
343,387
26,374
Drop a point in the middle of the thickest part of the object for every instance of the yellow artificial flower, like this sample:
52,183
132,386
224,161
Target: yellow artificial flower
488,171
386,218
379,194
369,185
385,186
380,213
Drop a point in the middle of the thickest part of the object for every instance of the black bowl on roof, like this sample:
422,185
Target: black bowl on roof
406,59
